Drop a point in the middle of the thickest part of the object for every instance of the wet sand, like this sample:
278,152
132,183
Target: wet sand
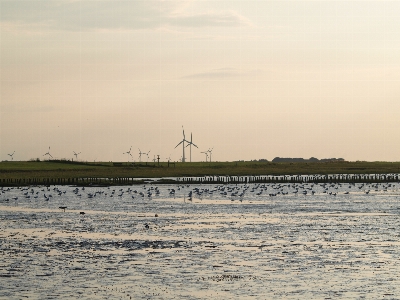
214,246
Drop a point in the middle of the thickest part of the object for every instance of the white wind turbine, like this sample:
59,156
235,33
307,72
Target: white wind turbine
206,153
76,154
11,155
140,155
210,151
190,144
183,145
48,153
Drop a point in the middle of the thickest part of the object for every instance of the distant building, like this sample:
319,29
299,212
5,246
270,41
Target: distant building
311,159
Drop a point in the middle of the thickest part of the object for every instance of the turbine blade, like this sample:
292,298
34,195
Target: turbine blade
178,144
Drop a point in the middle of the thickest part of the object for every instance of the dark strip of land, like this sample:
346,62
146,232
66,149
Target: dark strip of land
68,172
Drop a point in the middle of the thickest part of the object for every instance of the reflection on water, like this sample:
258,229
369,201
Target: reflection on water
258,241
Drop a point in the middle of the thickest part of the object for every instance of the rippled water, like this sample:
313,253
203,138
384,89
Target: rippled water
271,242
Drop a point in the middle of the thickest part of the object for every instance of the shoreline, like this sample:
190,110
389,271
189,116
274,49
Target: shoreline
261,179
23,173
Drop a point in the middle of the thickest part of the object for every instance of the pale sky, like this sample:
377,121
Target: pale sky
251,79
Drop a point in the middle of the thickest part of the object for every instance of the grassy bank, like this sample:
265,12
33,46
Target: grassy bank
66,169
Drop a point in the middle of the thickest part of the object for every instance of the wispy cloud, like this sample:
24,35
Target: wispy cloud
110,15
222,73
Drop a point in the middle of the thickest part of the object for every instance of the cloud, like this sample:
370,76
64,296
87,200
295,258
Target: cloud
222,73
110,15
210,19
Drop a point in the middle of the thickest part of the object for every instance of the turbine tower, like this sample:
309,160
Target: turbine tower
183,145
190,144
210,151
205,152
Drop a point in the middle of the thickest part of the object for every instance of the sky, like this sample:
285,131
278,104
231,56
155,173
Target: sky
250,79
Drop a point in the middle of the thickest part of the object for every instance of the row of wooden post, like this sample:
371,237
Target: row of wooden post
343,178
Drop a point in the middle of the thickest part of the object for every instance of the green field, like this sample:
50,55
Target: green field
67,169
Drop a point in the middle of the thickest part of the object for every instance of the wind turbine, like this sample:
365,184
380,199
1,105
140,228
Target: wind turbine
147,154
210,152
11,155
205,152
128,152
48,153
76,154
190,144
183,145
140,155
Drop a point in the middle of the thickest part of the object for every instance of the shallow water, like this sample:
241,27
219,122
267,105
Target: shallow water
271,242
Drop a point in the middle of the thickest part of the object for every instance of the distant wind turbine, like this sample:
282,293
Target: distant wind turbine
210,151
76,154
140,155
11,155
183,144
48,153
190,144
128,152
206,153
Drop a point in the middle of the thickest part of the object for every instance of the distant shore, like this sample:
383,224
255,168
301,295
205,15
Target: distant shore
69,172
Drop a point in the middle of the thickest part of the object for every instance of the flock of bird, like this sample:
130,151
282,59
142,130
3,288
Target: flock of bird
189,192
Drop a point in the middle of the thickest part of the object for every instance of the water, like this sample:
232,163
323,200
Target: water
271,242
